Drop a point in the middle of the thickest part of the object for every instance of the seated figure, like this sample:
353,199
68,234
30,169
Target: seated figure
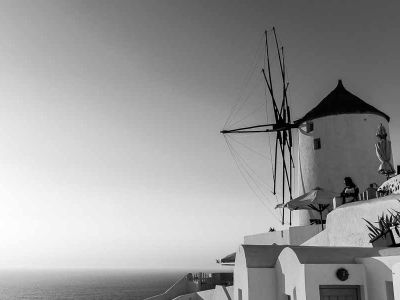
350,192
370,192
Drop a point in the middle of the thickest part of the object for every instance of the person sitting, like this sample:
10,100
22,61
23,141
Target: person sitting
350,192
371,191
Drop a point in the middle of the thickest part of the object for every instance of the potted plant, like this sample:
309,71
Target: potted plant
387,233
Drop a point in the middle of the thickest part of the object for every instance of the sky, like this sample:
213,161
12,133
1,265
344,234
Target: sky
110,113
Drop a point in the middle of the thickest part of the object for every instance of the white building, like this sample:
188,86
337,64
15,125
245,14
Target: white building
304,262
310,271
336,140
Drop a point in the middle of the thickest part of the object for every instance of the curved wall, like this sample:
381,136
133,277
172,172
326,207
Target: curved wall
347,149
240,278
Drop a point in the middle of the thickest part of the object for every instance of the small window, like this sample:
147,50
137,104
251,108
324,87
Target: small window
317,144
389,290
240,294
309,126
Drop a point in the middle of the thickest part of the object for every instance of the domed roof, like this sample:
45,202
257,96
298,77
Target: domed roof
341,101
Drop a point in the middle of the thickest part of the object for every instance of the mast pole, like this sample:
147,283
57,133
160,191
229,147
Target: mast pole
276,158
283,185
290,192
269,81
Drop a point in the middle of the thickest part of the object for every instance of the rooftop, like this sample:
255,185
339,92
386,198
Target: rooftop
265,256
341,101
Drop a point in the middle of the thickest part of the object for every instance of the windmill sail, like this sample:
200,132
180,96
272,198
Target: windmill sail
282,125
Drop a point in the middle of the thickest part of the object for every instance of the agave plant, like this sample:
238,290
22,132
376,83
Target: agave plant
385,223
374,231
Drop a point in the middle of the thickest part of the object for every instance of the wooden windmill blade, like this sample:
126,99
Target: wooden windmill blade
285,104
282,126
281,119
284,110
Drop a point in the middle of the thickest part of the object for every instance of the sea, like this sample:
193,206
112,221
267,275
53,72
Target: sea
80,284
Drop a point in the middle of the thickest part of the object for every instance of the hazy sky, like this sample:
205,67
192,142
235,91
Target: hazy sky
110,114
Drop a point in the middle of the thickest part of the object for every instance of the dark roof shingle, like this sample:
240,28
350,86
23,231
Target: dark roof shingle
341,101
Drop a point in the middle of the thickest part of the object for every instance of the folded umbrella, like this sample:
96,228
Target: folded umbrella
384,152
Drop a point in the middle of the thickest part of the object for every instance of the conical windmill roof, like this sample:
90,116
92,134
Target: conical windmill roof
341,101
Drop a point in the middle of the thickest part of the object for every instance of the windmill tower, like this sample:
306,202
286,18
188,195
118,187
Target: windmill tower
336,139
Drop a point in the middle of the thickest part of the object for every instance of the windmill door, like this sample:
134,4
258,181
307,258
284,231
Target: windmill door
340,292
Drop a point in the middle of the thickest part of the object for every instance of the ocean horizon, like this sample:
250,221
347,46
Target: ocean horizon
120,284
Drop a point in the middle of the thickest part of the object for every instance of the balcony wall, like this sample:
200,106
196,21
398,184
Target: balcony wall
292,236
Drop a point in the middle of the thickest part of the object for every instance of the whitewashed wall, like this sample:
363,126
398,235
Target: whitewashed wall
240,276
289,276
318,274
253,283
262,283
292,236
347,149
379,275
345,226
396,281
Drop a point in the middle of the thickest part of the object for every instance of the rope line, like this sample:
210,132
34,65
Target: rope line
249,75
248,115
243,171
249,169
248,166
250,149
244,101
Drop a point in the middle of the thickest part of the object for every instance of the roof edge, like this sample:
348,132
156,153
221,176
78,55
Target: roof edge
305,119
340,102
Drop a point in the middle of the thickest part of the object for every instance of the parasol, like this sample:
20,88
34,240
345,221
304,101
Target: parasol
317,199
384,152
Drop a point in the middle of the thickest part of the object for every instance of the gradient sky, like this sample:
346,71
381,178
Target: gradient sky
110,114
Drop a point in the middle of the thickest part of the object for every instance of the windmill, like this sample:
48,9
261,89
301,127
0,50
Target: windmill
282,116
